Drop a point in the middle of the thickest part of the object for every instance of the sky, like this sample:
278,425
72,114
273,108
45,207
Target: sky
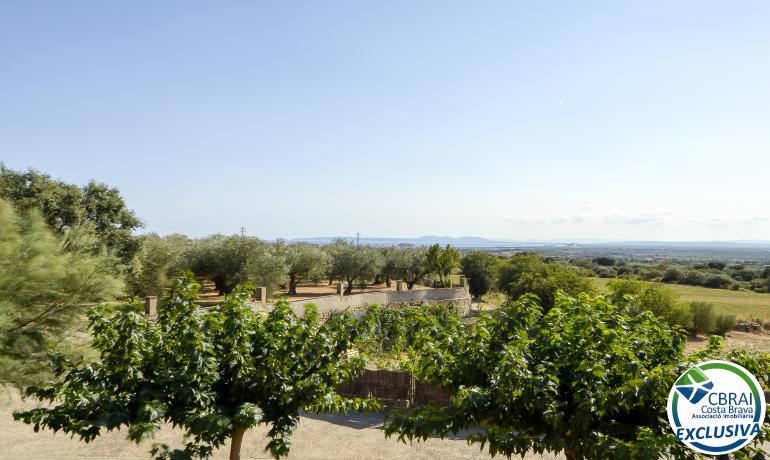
507,120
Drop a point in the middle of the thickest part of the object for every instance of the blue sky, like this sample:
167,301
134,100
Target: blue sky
517,120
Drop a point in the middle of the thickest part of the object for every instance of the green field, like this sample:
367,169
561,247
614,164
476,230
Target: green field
742,304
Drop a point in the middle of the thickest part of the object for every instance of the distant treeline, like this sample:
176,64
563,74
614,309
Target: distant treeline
711,274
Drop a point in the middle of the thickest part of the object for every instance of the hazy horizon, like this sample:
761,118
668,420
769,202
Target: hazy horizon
526,121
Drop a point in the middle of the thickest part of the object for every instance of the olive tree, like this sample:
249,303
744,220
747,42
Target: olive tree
355,264
305,262
215,375
441,261
584,379
414,266
156,263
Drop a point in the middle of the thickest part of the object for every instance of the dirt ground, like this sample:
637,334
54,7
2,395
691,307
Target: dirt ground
754,342
317,438
208,296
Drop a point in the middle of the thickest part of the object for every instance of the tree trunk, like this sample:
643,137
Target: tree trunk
349,287
292,284
235,443
410,284
387,281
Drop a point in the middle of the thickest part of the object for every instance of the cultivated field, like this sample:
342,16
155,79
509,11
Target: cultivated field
743,304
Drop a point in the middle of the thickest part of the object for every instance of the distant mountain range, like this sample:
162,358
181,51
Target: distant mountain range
479,242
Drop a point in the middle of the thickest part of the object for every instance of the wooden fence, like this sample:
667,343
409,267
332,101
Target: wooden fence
395,388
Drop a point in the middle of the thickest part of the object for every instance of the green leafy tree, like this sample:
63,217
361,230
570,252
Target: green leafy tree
624,290
442,261
414,266
305,262
529,274
232,260
215,375
46,280
64,206
355,264
156,263
221,259
585,380
407,264
265,265
481,269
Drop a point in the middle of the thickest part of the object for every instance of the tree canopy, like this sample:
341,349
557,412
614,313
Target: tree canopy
65,206
528,274
583,379
441,261
46,280
481,269
213,374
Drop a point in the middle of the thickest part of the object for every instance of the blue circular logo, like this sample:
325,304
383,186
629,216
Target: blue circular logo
716,407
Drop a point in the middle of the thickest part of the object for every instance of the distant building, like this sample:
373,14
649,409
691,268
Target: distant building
405,245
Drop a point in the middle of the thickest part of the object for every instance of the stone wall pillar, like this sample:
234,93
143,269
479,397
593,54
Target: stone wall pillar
260,295
464,283
340,290
400,286
151,305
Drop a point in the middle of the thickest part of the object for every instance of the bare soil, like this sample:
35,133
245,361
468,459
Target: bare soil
208,296
753,342
357,437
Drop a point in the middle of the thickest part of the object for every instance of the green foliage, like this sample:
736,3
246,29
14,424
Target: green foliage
156,262
481,269
45,281
354,264
232,260
662,302
584,379
441,262
389,331
305,262
622,291
703,317
605,261
214,375
528,274
64,206
724,324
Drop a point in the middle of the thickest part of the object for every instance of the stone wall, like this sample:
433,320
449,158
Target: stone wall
357,302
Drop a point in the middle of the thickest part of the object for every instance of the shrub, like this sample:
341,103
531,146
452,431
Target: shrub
624,290
703,317
605,272
717,281
724,324
693,278
605,261
672,275
528,274
584,380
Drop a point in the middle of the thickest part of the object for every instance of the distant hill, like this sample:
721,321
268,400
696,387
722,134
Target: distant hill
460,242
479,242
